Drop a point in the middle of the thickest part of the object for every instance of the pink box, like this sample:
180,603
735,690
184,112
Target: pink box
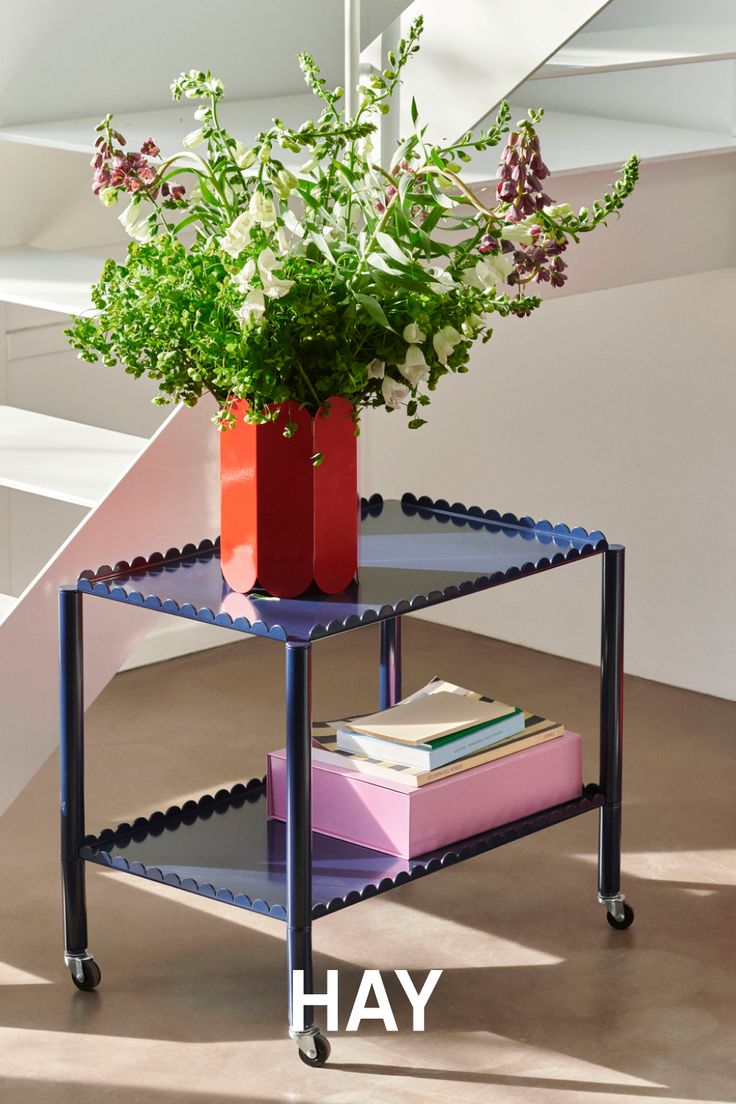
399,820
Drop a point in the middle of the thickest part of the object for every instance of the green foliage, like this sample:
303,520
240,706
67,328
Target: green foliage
252,280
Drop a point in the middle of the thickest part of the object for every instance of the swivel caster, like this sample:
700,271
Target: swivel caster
618,914
622,922
85,973
312,1047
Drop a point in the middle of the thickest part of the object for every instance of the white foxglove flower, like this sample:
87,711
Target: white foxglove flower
262,210
413,335
516,231
557,210
253,307
287,181
244,157
237,235
194,138
245,276
500,264
444,342
394,394
489,271
273,286
365,148
415,368
201,114
443,282
472,324
376,369
282,239
136,222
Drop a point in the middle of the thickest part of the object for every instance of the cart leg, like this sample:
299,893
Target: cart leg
82,967
619,915
390,678
313,1047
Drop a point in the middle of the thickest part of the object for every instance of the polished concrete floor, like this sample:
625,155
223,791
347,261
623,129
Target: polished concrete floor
539,1001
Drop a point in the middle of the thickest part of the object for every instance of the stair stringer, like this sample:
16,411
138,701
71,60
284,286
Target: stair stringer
475,53
168,496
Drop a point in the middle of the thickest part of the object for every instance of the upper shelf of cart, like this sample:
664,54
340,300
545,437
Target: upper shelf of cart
413,553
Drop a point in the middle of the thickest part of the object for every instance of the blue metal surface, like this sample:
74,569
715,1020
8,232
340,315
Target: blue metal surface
226,847
299,820
413,553
390,663
611,727
71,769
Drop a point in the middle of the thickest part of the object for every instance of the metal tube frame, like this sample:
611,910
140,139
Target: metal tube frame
299,825
390,668
71,753
611,730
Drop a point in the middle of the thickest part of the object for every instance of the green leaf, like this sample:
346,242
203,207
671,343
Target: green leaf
374,309
414,111
392,250
321,242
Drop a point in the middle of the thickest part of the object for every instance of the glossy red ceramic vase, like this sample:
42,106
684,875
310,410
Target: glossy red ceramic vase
286,525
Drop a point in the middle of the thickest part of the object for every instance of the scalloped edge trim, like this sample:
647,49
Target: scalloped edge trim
423,503
92,849
101,582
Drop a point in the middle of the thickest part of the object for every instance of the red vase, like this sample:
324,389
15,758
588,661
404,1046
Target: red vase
286,525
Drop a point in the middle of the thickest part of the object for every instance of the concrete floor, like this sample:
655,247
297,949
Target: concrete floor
539,1001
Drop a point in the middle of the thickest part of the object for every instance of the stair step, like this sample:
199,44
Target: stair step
244,118
52,281
575,143
617,50
59,459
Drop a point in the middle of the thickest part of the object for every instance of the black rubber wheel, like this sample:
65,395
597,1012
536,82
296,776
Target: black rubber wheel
323,1048
626,922
91,976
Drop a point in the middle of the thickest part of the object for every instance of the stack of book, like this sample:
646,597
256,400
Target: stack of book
439,731
440,766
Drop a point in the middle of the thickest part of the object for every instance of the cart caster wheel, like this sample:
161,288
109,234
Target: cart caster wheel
622,922
85,973
322,1048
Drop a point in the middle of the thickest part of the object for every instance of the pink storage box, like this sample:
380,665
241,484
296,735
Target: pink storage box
403,821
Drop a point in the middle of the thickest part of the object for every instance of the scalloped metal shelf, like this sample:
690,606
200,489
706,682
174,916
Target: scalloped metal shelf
413,553
225,847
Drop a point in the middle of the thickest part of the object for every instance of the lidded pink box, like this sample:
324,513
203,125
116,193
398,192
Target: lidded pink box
409,821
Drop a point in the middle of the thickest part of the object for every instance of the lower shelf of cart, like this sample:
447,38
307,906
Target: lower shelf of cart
227,847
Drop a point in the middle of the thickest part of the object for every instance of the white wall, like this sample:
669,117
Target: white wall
613,410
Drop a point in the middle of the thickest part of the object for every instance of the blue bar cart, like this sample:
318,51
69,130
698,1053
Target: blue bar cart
414,553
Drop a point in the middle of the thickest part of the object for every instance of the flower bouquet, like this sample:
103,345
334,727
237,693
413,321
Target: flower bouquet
296,297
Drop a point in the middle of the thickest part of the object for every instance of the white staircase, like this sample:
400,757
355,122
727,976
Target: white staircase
89,470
